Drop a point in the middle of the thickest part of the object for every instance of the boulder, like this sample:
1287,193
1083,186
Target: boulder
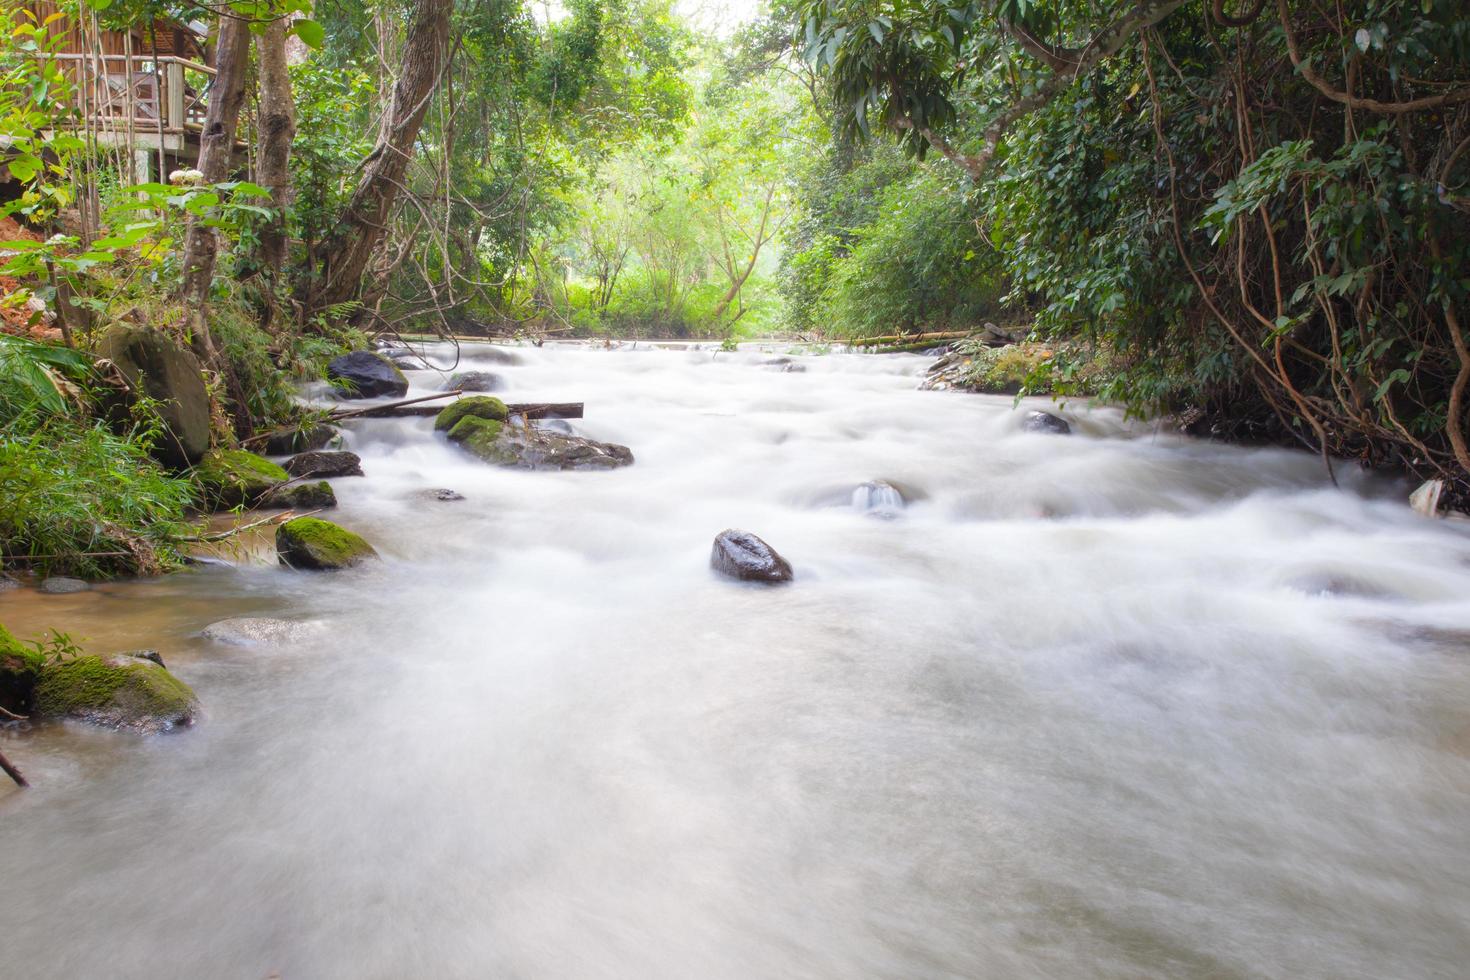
246,631
311,543
364,374
332,464
302,496
1045,422
299,439
234,477
61,585
117,692
741,555
476,406
20,671
523,447
155,365
475,381
498,355
443,494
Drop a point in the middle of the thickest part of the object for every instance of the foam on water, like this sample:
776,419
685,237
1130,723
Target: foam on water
1112,704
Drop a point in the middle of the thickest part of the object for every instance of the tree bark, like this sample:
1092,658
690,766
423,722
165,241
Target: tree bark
277,129
360,229
216,147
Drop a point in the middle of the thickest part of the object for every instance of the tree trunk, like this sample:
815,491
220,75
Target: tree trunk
360,229
277,129
216,147
738,279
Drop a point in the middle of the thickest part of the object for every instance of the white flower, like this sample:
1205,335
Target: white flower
186,177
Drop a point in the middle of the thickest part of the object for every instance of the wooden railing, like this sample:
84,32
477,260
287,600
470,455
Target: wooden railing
114,89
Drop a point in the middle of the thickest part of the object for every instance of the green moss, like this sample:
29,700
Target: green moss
20,670
312,543
477,406
124,692
474,425
231,477
303,495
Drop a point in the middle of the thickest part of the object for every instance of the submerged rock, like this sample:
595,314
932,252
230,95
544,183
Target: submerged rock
318,545
475,381
443,494
299,439
61,585
498,355
247,631
475,406
118,692
331,464
155,365
523,447
20,671
364,374
742,555
877,499
1045,422
302,496
233,477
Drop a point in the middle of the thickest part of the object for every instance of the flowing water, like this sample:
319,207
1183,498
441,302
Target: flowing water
1112,704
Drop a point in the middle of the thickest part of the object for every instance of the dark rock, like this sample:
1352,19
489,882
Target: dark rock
233,477
475,381
155,365
497,355
118,692
332,464
311,543
443,494
364,374
526,448
302,496
300,439
742,555
61,585
1045,422
20,671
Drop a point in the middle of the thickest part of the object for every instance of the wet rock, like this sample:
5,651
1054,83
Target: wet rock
784,365
742,555
556,425
246,631
443,494
233,477
523,447
1045,422
877,498
7,583
116,692
475,406
364,374
61,585
475,381
157,366
152,655
299,439
318,545
302,496
498,355
332,464
20,671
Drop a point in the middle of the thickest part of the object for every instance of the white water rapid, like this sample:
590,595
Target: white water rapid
1111,704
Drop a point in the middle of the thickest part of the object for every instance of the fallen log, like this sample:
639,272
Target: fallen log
386,411
526,410
12,772
910,338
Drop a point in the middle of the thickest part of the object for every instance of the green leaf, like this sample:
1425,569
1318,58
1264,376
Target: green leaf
310,32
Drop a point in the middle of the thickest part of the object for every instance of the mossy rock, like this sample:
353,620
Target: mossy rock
312,543
232,477
476,406
303,496
528,448
156,365
20,670
118,692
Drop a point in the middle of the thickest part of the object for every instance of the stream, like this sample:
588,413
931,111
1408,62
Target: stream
1114,704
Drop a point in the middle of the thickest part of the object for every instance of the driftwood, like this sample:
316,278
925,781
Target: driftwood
910,338
12,772
526,410
387,411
